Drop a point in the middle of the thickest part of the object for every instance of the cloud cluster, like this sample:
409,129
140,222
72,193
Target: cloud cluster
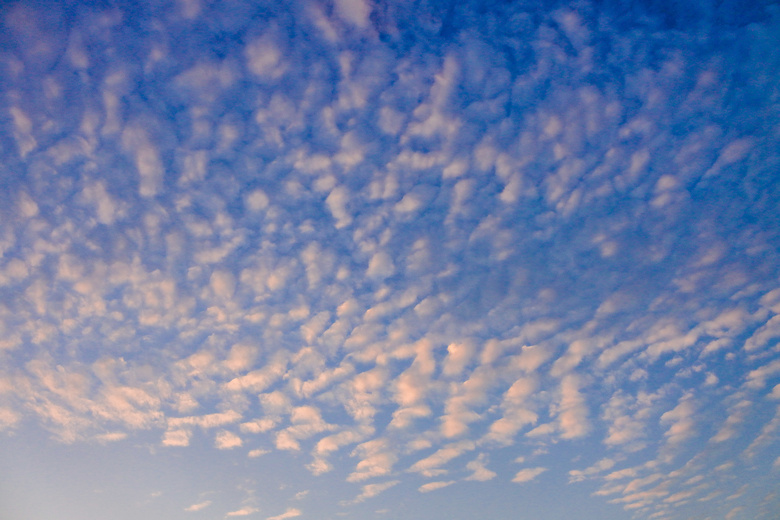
393,241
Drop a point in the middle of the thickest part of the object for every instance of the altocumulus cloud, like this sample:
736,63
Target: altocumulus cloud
368,249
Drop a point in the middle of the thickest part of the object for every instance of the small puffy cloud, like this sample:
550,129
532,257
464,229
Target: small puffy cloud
372,490
223,284
404,417
28,208
176,438
528,474
258,425
226,440
410,203
102,438
286,441
318,466
244,511
257,200
253,454
433,486
480,472
105,206
573,418
240,357
137,143
337,202
681,419
290,513
458,356
431,464
205,421
8,418
577,475
377,459
356,12
380,266
264,58
198,506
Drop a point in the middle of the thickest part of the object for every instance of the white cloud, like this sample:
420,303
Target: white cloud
205,421
380,266
226,440
264,57
682,421
528,474
244,511
253,454
28,208
431,465
223,284
573,417
290,513
258,425
137,143
372,490
176,438
458,356
602,465
377,459
385,253
337,202
433,486
198,506
259,380
8,418
355,12
105,206
480,472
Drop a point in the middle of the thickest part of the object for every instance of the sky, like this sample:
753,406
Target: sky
389,260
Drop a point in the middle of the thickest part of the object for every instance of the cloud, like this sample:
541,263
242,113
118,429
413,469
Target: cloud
429,466
105,206
137,143
226,440
372,490
480,472
205,421
600,466
264,58
355,12
573,417
244,511
8,418
682,421
198,506
528,474
409,233
380,266
176,438
290,513
377,459
433,486
253,454
337,202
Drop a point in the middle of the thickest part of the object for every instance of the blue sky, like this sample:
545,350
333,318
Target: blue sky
418,260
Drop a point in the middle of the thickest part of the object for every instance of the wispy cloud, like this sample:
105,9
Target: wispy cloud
433,486
528,474
244,511
198,506
290,513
